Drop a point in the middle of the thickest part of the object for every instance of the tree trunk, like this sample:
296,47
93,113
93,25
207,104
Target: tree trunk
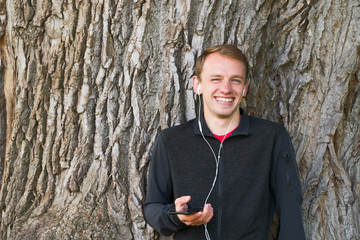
86,86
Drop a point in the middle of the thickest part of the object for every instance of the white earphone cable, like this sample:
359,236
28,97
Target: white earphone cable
217,159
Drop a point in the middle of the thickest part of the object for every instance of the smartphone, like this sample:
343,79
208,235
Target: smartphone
189,211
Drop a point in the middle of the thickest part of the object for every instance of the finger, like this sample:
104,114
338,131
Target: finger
182,200
188,219
198,218
180,203
203,217
210,214
195,219
207,213
207,209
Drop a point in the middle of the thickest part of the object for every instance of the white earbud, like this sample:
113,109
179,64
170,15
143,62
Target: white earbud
243,92
198,90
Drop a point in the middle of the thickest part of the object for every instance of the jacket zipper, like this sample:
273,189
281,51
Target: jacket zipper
219,199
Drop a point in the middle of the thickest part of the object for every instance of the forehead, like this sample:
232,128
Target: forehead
217,64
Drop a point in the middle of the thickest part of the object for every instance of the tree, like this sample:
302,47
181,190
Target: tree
86,86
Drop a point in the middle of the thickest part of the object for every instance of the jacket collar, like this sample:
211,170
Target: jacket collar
242,129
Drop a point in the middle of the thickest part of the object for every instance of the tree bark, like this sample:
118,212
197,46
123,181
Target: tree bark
86,86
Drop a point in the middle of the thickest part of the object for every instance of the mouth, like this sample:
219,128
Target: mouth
224,99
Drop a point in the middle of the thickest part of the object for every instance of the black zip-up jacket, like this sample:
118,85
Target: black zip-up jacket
257,173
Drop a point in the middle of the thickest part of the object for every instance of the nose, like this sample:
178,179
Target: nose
226,86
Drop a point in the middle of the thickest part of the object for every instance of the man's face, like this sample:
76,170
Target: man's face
222,85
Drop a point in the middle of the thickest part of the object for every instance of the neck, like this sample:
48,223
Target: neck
221,126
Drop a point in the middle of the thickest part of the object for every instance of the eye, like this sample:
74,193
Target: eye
215,79
236,80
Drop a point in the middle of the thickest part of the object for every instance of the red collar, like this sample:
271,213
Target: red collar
221,138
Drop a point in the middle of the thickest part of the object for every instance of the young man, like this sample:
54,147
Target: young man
237,168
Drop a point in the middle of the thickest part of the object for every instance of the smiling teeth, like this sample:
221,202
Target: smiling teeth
224,99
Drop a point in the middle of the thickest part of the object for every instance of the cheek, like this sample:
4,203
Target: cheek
208,92
240,90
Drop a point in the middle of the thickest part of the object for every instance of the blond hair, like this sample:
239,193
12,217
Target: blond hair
224,50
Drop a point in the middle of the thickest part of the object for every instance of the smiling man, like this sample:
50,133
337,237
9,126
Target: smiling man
222,175
221,80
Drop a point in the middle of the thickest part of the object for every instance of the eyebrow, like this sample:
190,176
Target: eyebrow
233,76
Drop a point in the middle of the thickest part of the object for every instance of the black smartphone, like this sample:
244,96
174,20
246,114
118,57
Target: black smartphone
189,211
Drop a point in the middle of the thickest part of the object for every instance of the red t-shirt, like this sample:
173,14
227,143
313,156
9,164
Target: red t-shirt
223,137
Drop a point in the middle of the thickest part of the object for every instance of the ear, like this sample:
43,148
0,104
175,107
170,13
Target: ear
196,85
245,88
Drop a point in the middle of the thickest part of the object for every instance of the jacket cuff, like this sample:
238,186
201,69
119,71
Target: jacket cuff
175,219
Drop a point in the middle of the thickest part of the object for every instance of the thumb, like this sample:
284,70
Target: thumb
182,200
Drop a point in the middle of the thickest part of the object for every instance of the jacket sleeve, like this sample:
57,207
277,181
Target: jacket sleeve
159,196
287,189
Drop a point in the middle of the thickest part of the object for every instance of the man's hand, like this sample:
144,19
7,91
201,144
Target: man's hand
195,219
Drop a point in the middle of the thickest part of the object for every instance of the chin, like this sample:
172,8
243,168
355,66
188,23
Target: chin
226,115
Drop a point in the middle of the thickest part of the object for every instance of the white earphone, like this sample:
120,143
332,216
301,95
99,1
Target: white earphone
243,92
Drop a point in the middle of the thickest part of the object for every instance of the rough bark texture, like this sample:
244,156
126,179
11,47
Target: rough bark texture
85,87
